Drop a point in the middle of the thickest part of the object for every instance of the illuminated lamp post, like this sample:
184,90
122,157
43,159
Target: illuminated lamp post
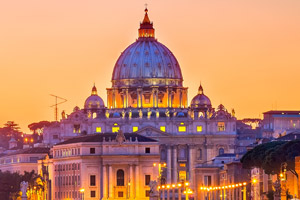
179,190
160,169
82,193
163,192
168,192
244,191
173,191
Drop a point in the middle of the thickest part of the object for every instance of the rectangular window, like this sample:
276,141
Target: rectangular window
135,129
147,179
120,194
115,129
98,129
221,126
147,150
182,175
182,164
207,180
147,194
93,193
92,180
181,128
92,150
199,128
33,159
163,128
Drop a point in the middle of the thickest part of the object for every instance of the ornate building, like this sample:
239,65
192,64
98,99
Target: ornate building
148,98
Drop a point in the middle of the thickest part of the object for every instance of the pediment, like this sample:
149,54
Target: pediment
150,131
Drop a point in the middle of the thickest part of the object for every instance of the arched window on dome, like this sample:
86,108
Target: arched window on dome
221,151
94,115
201,114
120,177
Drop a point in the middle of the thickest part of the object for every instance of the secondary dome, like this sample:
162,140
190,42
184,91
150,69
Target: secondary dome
200,100
146,62
94,101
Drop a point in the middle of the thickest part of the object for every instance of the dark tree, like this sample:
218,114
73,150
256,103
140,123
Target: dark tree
10,129
271,156
9,185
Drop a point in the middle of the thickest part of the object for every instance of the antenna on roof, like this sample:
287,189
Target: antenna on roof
56,104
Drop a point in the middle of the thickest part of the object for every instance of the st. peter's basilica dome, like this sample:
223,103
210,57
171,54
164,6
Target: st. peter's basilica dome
146,62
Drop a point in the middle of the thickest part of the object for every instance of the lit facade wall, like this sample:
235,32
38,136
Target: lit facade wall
94,167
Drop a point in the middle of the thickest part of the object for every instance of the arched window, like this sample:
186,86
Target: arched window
120,177
221,151
94,115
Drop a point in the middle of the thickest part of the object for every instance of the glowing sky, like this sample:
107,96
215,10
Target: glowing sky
245,53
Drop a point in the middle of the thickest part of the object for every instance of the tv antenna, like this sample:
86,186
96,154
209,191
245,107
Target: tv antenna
57,98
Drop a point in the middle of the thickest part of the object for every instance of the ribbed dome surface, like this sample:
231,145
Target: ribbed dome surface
200,100
94,102
147,59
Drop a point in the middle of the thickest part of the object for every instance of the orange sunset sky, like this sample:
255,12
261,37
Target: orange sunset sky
246,53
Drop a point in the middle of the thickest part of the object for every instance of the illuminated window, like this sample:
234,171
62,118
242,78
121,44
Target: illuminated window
115,129
135,129
182,175
98,129
181,128
199,128
182,164
221,126
163,128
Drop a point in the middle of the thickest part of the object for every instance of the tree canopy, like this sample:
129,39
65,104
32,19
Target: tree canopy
10,183
270,156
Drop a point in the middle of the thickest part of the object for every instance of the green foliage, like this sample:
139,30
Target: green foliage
270,156
10,129
10,183
37,127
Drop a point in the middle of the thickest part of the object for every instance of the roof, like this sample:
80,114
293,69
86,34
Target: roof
35,150
283,112
227,155
291,136
107,136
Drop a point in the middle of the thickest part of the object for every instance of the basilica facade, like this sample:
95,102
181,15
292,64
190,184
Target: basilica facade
147,99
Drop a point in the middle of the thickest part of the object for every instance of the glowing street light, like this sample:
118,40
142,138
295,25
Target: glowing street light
82,193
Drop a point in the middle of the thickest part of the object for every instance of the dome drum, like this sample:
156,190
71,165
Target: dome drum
147,82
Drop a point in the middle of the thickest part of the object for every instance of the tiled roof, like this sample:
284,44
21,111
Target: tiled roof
282,112
291,136
35,150
107,136
227,155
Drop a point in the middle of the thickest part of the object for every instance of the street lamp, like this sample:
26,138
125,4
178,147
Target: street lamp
82,193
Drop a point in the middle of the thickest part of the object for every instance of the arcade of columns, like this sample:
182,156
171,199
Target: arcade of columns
174,98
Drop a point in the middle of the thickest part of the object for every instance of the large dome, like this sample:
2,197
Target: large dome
146,62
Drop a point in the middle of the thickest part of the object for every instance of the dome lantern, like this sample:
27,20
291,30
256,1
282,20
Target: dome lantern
94,90
146,29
